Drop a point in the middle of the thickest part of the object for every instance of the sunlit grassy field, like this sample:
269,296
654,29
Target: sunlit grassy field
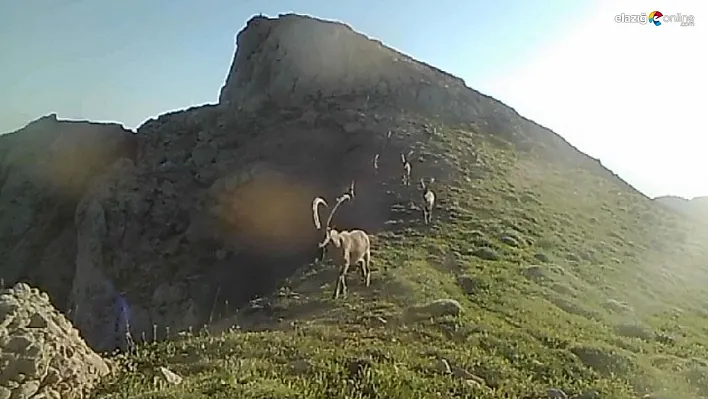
568,282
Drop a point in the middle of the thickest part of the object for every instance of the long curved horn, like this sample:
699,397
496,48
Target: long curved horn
326,240
422,183
344,197
315,211
351,189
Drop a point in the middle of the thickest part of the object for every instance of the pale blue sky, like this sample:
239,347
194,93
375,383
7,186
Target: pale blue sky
130,60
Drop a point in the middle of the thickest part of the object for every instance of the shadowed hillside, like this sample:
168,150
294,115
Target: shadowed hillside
569,280
45,169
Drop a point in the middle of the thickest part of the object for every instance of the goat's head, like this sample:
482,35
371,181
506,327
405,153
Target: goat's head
334,236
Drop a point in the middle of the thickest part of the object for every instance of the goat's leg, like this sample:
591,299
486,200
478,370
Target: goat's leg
367,266
365,271
320,254
341,280
362,263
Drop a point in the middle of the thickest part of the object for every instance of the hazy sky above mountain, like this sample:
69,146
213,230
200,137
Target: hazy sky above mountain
628,94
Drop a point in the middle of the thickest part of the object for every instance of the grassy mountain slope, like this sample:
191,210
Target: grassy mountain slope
569,280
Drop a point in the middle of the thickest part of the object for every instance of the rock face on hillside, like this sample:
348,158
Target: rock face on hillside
696,207
41,353
45,168
215,208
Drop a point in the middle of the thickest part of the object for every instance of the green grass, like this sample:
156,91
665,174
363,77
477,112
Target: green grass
567,280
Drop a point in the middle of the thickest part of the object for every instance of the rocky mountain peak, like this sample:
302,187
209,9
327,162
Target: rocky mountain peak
295,59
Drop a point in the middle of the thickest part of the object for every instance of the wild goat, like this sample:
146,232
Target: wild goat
428,200
350,191
388,139
354,246
406,180
383,150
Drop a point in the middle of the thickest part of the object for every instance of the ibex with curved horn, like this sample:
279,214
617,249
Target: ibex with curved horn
428,200
352,246
382,151
349,191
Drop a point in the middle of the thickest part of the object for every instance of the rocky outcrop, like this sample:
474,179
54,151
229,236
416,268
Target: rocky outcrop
45,169
41,354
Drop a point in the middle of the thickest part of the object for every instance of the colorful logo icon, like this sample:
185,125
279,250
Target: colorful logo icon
654,17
